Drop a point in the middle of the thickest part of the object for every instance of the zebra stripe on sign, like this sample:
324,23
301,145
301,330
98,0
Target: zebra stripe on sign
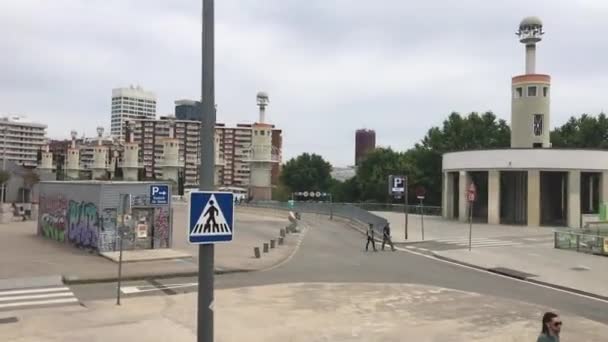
201,228
211,220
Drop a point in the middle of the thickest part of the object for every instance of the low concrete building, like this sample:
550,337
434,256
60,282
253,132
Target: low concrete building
530,183
86,214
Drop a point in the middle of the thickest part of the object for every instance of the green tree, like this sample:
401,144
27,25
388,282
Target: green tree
4,177
30,178
307,172
583,132
373,172
457,133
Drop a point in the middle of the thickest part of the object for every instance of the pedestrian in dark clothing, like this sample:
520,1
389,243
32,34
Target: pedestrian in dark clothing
370,238
552,326
386,237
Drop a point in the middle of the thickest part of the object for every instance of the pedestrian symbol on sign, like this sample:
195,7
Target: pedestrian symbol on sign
211,217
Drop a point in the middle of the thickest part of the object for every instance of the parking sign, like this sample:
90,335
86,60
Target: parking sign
159,194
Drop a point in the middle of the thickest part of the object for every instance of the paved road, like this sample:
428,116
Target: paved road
333,253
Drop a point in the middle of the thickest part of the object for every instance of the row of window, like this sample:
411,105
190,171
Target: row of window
531,91
125,98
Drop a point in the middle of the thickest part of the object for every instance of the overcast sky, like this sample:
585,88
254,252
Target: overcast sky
329,66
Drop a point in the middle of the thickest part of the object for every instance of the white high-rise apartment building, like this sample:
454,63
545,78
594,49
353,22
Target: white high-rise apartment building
129,104
20,140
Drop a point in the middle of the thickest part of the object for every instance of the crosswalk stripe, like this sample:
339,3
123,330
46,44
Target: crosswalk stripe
50,295
37,290
461,240
498,245
40,302
484,242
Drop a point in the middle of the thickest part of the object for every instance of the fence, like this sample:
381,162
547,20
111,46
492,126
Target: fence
584,242
427,210
343,210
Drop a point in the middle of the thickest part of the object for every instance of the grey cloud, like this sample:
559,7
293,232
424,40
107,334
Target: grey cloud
330,66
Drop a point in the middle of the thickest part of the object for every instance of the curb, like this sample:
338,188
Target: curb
526,279
75,280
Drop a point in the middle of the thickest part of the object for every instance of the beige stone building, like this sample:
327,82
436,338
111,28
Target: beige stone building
530,183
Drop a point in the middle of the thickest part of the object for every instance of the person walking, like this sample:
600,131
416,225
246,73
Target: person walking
370,238
552,326
386,236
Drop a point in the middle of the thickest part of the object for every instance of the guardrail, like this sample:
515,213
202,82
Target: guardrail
583,242
427,210
343,210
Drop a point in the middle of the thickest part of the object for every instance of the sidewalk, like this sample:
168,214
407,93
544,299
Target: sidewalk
436,228
543,263
536,262
302,312
23,254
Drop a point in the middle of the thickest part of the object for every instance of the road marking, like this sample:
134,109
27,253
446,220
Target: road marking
40,302
15,299
492,244
38,290
149,288
432,257
50,295
462,240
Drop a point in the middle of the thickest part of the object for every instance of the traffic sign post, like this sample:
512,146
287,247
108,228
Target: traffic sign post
397,187
471,197
206,252
420,193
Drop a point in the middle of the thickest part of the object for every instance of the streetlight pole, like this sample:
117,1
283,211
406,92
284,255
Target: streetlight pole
206,252
4,161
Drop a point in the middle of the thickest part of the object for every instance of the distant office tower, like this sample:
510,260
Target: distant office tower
188,110
21,140
130,104
365,142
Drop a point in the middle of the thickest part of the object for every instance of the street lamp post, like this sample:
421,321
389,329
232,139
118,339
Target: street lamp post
4,162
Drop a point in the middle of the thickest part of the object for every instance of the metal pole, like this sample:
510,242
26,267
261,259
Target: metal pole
4,162
405,206
331,207
422,218
206,253
121,233
470,223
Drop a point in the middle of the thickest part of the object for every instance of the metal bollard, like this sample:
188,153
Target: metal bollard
280,241
282,233
272,243
265,248
256,252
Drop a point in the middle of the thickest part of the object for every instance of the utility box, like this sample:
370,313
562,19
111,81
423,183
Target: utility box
85,214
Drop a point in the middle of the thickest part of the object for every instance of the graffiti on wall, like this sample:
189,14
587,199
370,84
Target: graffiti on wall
108,234
53,210
83,224
161,226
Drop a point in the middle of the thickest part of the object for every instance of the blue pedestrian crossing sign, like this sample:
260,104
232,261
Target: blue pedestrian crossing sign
211,217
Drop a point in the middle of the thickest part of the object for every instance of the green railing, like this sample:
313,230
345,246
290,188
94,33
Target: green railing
428,210
584,241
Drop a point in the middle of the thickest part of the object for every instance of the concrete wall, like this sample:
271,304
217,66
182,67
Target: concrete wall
523,109
574,199
525,159
534,198
493,197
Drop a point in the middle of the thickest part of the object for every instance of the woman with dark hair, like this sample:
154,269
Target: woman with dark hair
552,326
